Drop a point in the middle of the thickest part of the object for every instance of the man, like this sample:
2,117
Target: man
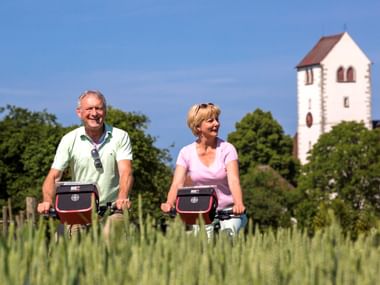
94,152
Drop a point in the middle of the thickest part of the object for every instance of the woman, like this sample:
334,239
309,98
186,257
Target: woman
209,161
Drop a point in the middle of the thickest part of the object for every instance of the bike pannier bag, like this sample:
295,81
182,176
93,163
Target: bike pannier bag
196,201
74,202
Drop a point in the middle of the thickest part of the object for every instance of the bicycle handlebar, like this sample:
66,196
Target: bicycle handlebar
109,207
52,213
223,214
226,214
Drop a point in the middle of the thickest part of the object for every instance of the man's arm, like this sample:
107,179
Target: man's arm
48,190
125,183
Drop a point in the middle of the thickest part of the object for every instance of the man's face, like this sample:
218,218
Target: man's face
92,112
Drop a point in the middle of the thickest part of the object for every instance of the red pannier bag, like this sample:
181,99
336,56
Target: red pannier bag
74,202
195,201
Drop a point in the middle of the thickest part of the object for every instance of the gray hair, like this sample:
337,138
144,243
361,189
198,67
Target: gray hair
97,93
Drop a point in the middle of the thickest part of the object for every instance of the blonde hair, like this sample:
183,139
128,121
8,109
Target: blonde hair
97,93
199,113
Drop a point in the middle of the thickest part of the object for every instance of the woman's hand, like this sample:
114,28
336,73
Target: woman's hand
238,209
166,207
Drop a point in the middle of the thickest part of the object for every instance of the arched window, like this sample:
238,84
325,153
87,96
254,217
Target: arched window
309,76
340,74
350,74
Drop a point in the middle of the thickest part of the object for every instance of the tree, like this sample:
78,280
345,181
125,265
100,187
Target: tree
268,197
27,145
343,173
150,165
259,139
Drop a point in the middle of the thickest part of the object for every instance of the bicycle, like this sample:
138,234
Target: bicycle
195,201
216,223
75,205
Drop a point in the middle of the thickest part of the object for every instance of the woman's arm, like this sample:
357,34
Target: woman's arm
234,185
177,182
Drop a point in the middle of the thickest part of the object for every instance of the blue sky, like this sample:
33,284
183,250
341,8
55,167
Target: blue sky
160,57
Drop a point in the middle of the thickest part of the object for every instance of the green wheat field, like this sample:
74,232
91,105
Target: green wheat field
148,256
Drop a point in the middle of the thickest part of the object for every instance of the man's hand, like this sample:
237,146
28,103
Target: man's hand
43,207
166,207
123,204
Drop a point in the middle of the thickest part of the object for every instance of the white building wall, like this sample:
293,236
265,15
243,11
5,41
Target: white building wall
347,54
309,100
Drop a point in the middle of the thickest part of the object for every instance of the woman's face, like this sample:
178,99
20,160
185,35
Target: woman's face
209,127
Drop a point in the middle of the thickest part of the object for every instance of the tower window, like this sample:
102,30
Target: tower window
350,74
346,102
309,76
309,119
340,74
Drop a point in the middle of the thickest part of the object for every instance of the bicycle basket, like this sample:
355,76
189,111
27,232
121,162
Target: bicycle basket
195,201
74,202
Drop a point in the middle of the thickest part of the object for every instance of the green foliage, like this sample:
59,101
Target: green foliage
269,198
343,174
259,139
150,164
27,146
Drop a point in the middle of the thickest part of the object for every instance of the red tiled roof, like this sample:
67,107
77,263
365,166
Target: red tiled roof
320,50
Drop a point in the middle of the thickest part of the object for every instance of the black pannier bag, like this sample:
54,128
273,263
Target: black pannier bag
195,201
74,202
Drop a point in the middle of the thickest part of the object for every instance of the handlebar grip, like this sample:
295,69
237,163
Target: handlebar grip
228,214
109,207
50,214
172,213
225,212
117,211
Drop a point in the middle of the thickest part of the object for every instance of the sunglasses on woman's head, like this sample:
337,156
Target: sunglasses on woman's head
202,106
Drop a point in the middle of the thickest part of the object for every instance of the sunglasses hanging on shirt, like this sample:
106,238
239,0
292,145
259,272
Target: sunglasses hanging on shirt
96,157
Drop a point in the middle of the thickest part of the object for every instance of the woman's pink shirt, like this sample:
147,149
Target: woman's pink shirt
215,174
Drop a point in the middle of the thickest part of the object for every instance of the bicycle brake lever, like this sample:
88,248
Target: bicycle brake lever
172,213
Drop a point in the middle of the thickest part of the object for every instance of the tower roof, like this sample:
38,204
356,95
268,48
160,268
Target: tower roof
320,50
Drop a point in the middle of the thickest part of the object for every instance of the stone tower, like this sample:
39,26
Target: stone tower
333,85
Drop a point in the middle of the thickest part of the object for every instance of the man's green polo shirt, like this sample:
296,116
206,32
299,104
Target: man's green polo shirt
74,151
